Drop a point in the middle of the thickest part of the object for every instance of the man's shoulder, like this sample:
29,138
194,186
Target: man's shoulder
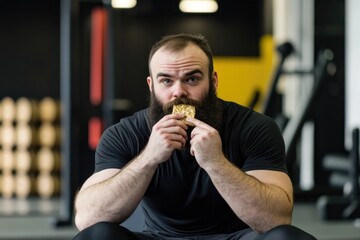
139,116
137,121
232,110
243,117
230,105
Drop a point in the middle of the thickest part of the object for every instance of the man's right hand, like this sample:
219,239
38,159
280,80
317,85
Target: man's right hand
168,134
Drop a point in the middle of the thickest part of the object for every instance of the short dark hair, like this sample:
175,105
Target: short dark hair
178,42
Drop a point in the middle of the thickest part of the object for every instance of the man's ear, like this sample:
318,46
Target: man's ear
215,79
149,82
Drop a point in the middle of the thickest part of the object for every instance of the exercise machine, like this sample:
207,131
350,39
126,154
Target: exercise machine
348,205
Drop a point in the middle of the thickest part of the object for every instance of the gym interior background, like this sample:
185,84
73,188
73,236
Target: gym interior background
69,69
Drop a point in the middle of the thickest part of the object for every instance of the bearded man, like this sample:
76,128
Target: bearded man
220,174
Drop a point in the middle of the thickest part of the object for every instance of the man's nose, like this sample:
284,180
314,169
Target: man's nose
179,90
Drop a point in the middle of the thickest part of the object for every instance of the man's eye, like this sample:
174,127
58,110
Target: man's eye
192,80
166,81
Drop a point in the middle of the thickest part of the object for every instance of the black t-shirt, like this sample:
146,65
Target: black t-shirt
181,199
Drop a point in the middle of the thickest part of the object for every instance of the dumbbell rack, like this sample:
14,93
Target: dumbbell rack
29,148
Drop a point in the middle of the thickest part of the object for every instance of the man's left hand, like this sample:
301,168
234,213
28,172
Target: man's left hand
205,143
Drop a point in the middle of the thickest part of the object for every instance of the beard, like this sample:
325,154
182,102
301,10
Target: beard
208,109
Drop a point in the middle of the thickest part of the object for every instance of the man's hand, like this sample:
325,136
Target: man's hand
205,143
167,135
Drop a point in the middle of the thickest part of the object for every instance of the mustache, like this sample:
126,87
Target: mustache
167,107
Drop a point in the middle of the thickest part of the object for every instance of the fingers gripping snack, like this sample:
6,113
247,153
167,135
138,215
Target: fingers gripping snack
187,110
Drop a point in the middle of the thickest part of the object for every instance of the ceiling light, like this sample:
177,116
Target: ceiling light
198,6
123,3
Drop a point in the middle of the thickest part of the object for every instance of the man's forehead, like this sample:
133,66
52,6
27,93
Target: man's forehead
191,54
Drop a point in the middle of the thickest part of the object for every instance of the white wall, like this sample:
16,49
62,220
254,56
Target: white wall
294,22
352,68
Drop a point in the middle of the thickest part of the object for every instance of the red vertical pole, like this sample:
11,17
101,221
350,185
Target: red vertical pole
97,55
97,52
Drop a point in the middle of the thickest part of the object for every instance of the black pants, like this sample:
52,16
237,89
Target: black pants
113,231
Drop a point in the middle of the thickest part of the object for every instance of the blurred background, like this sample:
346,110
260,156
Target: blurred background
71,68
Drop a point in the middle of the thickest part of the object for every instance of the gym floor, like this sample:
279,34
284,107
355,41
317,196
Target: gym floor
31,220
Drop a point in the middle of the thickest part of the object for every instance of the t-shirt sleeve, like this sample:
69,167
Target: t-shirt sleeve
122,142
264,146
111,152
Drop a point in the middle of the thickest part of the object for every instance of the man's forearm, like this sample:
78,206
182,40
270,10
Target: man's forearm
115,198
261,206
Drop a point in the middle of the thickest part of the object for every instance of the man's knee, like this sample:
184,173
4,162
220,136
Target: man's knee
105,231
287,232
